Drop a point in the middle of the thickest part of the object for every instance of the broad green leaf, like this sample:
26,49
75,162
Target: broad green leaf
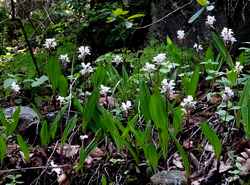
54,124
69,127
44,134
177,120
194,82
245,113
11,127
151,155
90,106
23,147
62,85
39,81
219,45
196,15
158,112
144,98
212,138
3,148
183,154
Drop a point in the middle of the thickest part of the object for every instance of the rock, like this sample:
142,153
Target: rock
173,177
27,118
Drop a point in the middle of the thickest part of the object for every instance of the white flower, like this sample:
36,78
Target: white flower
227,35
15,87
83,51
167,86
228,94
128,24
117,59
56,169
188,102
126,106
83,137
210,7
210,20
180,34
64,58
160,58
238,67
62,100
86,69
149,68
50,43
198,47
104,90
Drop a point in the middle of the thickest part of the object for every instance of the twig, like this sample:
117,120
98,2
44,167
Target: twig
33,168
47,163
164,17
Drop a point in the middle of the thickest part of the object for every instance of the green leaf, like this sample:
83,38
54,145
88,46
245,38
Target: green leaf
11,127
44,134
39,81
90,106
202,2
119,12
54,124
219,45
3,148
232,77
245,112
151,155
194,82
183,154
196,15
177,120
158,112
104,180
136,16
213,139
144,98
23,147
69,127
63,85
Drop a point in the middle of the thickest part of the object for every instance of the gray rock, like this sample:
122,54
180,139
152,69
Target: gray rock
173,177
28,117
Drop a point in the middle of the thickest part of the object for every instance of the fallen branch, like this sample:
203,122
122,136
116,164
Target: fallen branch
164,17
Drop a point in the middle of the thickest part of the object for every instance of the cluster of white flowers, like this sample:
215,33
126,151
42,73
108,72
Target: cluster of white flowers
188,102
126,106
64,58
227,36
160,58
117,59
50,43
63,100
198,47
86,68
83,51
228,94
210,20
149,68
15,87
180,34
238,67
167,86
105,90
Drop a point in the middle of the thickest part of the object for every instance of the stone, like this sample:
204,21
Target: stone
173,177
27,118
